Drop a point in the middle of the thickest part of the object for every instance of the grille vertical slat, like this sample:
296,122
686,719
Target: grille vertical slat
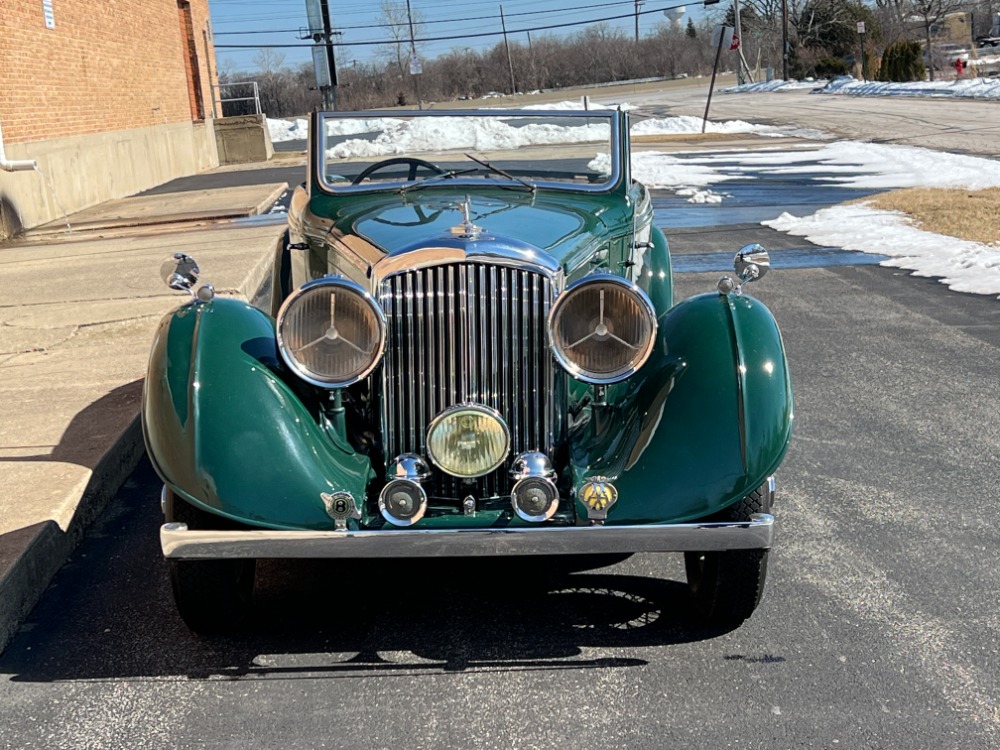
468,332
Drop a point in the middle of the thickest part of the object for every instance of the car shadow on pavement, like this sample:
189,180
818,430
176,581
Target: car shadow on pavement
109,614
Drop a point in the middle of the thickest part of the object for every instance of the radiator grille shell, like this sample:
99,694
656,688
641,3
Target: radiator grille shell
467,332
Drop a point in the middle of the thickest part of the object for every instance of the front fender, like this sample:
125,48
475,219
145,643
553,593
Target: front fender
705,422
228,434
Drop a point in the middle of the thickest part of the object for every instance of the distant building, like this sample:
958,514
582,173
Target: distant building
108,98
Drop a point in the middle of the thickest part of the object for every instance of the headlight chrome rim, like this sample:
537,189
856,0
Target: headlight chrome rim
303,372
644,303
465,407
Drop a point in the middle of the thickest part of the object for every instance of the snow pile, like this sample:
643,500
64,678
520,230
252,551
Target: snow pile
777,84
577,105
688,124
475,133
658,170
878,166
964,266
288,130
976,88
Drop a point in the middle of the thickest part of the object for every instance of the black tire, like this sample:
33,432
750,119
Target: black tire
727,586
212,596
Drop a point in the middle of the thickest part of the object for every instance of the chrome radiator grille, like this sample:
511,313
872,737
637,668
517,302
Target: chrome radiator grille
467,333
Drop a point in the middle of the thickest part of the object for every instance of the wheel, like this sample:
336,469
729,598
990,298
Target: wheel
727,586
212,596
413,164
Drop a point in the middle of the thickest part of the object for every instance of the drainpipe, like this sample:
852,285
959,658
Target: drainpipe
22,165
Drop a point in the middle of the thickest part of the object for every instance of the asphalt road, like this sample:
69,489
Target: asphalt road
878,628
945,124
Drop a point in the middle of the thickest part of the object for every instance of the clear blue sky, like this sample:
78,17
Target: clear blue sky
280,20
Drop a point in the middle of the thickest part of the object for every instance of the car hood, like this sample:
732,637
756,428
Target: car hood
564,225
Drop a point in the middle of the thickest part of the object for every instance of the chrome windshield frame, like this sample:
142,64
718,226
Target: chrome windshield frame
318,141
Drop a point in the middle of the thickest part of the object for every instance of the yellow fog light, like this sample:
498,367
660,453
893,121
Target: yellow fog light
468,440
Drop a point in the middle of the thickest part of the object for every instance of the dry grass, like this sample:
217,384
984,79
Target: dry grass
967,214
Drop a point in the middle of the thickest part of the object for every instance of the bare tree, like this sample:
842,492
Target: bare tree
929,13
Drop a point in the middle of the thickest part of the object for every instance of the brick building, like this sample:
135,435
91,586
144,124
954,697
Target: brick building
109,98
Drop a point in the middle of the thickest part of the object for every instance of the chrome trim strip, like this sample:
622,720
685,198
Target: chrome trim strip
177,542
499,251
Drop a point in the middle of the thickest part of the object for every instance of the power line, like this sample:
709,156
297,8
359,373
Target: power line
479,35
437,21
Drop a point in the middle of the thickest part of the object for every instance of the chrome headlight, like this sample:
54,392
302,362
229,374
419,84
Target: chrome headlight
602,329
331,332
467,441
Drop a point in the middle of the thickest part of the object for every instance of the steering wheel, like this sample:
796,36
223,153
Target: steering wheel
414,164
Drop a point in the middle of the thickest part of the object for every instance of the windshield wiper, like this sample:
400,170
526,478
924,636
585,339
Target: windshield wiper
434,178
501,172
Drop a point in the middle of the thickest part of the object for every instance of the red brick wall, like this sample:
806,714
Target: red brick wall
107,65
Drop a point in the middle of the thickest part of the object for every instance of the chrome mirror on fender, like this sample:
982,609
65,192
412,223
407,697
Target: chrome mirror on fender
751,263
180,272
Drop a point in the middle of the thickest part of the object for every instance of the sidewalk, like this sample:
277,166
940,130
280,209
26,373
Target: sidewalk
77,316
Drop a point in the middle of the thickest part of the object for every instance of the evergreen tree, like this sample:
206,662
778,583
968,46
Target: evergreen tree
691,30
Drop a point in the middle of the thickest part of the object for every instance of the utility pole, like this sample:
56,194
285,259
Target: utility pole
784,39
534,69
329,92
638,4
415,68
510,63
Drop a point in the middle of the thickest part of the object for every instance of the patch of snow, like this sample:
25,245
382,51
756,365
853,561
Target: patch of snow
964,266
969,87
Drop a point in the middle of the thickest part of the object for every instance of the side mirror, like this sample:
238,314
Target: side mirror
180,272
751,263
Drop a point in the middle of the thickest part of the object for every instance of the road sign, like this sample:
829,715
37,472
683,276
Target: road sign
861,27
415,67
725,33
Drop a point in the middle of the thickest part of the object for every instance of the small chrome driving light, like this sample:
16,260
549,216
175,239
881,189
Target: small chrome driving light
331,332
469,440
402,502
535,499
602,329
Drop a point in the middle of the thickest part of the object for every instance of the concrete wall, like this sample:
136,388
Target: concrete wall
243,139
90,169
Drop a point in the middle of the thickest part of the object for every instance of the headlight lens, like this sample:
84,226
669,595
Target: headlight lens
602,329
331,332
468,440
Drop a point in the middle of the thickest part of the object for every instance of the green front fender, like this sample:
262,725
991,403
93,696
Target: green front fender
705,422
224,431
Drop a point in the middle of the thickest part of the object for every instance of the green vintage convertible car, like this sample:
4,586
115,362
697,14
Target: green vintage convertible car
473,348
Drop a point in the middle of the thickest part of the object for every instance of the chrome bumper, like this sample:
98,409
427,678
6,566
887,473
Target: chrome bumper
178,542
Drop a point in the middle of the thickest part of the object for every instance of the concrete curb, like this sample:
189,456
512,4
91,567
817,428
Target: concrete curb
30,557
34,555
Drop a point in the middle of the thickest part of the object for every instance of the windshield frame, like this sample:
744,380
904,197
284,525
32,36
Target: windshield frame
318,147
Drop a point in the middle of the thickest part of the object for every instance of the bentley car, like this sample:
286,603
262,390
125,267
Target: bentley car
472,348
